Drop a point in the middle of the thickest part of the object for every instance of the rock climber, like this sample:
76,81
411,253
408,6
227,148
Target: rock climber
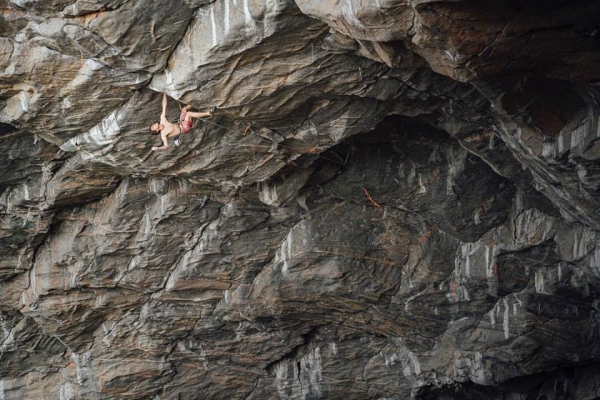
169,130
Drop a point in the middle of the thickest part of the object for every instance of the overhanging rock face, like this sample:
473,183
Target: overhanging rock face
396,199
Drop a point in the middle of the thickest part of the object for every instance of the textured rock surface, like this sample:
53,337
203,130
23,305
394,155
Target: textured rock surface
397,199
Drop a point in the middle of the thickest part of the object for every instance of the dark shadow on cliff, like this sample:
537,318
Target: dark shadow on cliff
570,382
6,129
408,165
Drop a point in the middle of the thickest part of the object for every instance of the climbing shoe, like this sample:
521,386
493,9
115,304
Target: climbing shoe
177,142
212,110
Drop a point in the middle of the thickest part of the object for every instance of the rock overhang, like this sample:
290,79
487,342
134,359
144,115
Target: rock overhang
395,198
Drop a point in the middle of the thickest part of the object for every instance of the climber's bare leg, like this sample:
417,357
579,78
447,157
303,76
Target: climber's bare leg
190,115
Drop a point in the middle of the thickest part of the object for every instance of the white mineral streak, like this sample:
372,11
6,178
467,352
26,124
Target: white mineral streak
467,261
350,14
490,260
497,307
579,134
292,245
26,194
414,296
122,190
575,136
594,262
390,359
578,250
146,226
272,6
23,100
334,349
452,56
456,164
66,103
18,104
104,133
469,365
518,300
74,273
8,340
213,24
24,298
133,264
66,392
311,368
539,281
477,218
226,17
286,252
269,194
184,185
302,379
492,141
518,203
169,77
477,369
4,324
247,15
82,364
532,227
459,293
422,188
156,184
561,144
285,381
506,321
413,363
33,279
83,76
548,150
577,243
110,332
408,360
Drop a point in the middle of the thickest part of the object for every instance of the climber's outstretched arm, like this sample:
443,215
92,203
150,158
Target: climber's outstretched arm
165,143
163,116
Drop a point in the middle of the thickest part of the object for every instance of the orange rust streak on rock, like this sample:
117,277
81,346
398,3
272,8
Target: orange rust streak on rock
376,204
88,18
426,236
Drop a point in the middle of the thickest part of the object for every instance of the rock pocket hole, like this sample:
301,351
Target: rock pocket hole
6,129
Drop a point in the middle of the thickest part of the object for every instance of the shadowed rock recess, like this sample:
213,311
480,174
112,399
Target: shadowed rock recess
396,199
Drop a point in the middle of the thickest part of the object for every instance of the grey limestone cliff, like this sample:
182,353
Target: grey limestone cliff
396,199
